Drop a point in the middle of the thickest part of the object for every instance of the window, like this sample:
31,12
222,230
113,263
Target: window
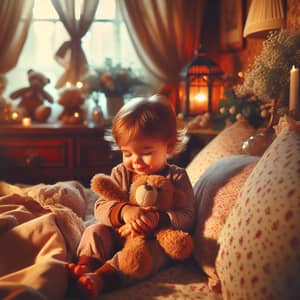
107,37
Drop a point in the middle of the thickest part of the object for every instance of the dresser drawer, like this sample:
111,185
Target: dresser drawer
36,152
91,153
54,152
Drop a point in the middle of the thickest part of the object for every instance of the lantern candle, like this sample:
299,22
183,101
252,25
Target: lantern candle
198,103
294,90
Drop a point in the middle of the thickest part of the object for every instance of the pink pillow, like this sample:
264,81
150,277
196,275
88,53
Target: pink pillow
228,142
226,177
259,255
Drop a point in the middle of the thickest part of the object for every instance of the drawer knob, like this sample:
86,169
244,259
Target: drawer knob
33,160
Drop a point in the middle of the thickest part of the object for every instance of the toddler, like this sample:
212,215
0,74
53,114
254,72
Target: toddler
145,131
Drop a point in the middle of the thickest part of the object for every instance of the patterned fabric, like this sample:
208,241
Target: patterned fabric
176,282
259,256
216,192
227,142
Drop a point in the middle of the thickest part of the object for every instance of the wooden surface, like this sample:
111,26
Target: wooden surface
47,153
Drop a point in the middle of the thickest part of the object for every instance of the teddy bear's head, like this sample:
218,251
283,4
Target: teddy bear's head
157,191
37,80
71,97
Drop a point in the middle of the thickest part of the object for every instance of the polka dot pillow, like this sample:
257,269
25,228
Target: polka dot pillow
259,255
228,142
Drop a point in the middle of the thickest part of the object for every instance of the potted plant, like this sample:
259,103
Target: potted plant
114,81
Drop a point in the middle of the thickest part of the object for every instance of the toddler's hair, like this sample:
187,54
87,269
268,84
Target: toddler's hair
151,117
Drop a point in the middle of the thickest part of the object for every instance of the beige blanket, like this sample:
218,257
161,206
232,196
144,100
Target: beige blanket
40,228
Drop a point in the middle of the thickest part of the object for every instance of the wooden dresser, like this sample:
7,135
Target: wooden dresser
47,153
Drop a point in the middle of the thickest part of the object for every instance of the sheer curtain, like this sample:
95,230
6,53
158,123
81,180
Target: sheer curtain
15,16
165,35
70,55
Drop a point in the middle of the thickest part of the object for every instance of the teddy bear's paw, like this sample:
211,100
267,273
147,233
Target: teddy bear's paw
135,259
177,244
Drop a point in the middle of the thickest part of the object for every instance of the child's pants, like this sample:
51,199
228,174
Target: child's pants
103,243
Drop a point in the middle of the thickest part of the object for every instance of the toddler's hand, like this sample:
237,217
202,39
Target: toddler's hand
131,213
151,218
146,222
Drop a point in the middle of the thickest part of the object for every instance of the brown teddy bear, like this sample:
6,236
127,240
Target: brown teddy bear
71,98
33,96
154,191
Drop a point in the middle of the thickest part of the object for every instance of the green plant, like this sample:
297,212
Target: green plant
268,77
112,80
233,108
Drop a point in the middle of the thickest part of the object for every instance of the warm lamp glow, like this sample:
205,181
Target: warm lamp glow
14,116
26,122
79,84
198,101
201,86
263,16
68,84
201,98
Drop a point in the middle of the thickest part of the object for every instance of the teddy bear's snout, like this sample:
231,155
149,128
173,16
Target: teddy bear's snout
146,195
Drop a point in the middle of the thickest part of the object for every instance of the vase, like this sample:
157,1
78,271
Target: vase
113,105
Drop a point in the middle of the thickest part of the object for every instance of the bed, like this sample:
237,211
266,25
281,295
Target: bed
40,227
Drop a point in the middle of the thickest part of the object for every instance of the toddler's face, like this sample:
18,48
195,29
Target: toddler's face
145,155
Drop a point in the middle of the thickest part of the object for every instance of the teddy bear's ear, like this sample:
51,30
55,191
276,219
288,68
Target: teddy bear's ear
179,198
105,186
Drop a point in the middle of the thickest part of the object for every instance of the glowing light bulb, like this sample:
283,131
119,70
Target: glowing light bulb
201,97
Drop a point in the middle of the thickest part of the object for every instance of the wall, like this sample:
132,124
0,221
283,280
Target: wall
238,60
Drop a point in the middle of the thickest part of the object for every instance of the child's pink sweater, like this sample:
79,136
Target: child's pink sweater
107,212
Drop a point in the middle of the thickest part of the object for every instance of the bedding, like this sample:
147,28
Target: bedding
228,142
40,227
36,237
215,194
260,242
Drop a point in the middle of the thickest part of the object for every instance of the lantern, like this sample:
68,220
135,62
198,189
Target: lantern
201,85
